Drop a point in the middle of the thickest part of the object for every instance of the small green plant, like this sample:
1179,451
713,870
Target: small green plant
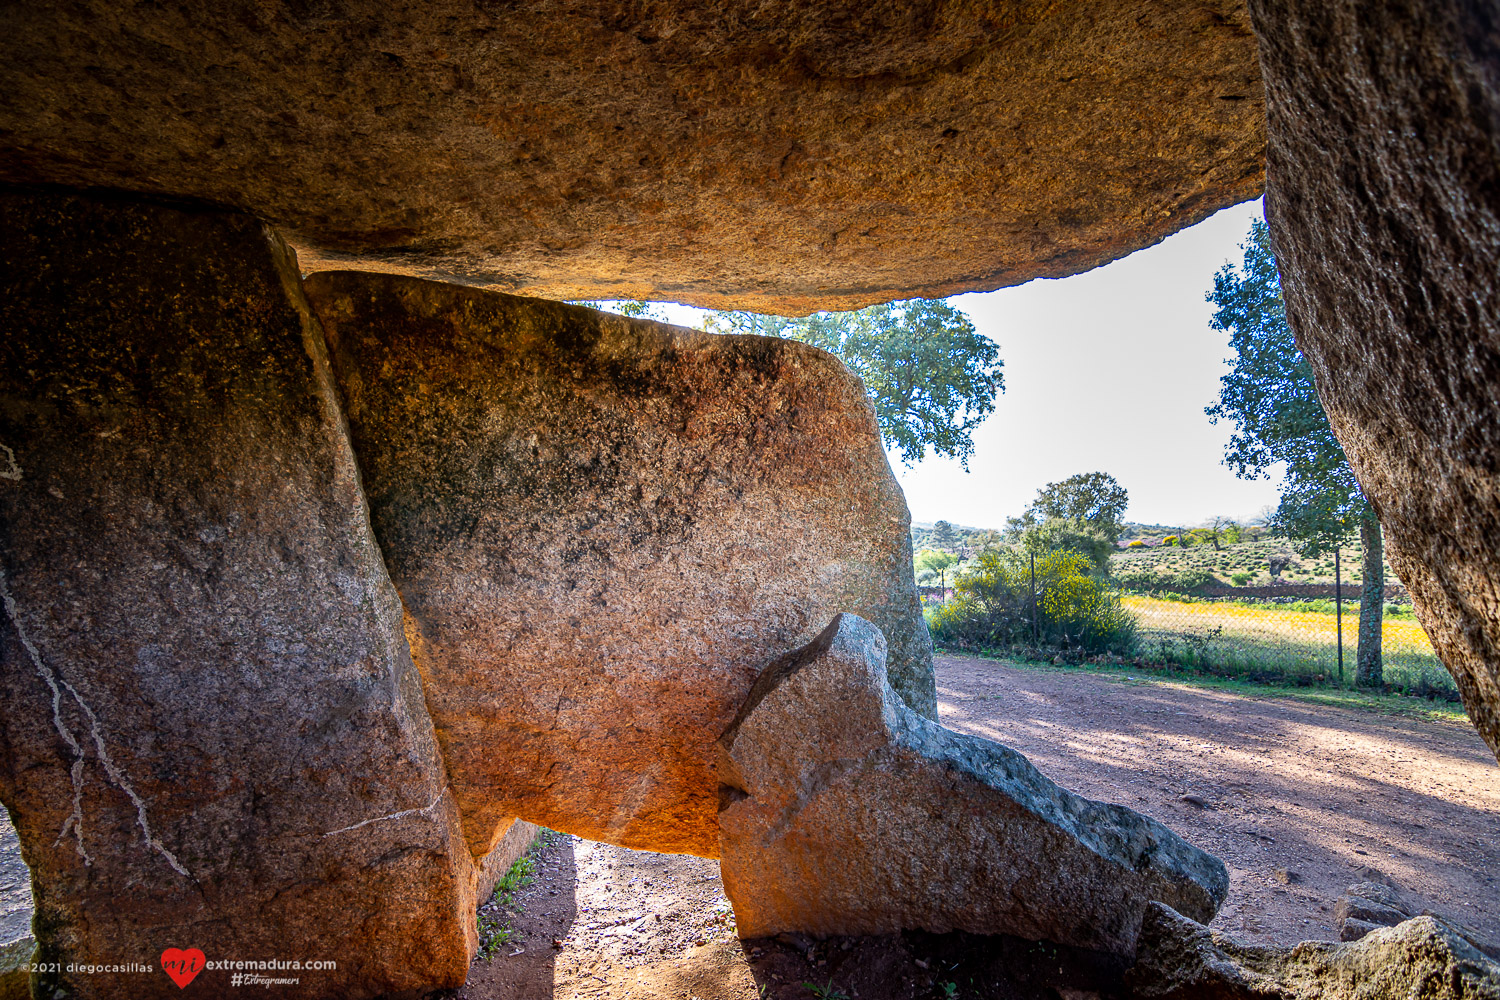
1239,579
950,990
492,935
826,992
518,876
494,930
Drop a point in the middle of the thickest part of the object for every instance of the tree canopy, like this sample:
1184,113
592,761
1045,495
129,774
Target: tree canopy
932,377
943,535
1070,534
1270,398
1095,498
1083,514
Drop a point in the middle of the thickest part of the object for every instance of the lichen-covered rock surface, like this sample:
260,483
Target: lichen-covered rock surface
1419,959
213,735
1384,166
844,812
603,530
780,155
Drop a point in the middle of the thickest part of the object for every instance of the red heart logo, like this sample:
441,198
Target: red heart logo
182,964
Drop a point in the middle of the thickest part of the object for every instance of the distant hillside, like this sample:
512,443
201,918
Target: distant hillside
970,539
1134,529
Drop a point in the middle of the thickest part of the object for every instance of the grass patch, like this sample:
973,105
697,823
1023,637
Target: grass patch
1269,645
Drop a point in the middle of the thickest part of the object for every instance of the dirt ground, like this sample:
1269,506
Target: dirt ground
607,923
1299,800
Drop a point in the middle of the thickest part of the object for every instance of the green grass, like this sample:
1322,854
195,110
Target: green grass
1289,645
492,919
1364,700
1279,643
517,877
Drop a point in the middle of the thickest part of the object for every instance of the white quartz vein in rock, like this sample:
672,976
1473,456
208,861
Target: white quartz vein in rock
117,776
395,815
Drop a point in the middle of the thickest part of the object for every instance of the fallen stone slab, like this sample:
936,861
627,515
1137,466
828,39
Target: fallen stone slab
843,812
602,530
1422,958
213,736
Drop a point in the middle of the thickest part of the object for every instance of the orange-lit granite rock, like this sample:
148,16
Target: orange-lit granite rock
780,154
844,812
603,530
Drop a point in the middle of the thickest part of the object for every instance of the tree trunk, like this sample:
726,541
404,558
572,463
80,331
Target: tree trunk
1367,671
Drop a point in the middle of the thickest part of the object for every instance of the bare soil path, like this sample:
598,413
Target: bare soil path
1300,800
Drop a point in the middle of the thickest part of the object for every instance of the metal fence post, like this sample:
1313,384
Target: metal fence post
1338,611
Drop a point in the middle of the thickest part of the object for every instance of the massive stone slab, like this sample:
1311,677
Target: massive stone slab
780,154
1384,167
844,812
1422,958
213,736
602,530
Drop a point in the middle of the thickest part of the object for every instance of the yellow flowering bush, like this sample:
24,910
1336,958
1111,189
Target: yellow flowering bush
993,605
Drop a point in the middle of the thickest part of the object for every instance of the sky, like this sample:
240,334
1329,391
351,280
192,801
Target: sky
1106,371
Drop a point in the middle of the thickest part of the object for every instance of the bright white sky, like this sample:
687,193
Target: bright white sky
1104,371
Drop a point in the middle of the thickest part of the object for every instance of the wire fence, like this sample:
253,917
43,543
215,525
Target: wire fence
1290,638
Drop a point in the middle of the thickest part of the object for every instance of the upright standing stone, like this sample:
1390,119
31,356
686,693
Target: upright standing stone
603,529
1384,202
213,736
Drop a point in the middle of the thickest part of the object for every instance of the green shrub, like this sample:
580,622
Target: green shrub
1169,540
1148,580
992,605
1240,579
1071,534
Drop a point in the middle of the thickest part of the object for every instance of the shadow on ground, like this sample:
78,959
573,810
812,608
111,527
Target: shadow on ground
1300,800
606,922
917,966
